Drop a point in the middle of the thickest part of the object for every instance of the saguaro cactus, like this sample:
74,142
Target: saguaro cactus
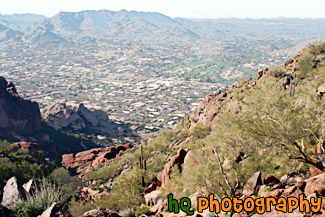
293,85
143,166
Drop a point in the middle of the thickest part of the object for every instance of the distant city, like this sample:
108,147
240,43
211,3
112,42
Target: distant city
144,69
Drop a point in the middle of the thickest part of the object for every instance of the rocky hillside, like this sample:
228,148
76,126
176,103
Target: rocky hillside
263,137
273,123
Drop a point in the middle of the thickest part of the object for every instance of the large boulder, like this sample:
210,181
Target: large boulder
55,210
152,198
59,116
271,180
321,90
17,116
177,160
254,181
31,187
315,184
12,193
100,213
94,117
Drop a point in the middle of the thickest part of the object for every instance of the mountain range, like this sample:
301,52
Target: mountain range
71,26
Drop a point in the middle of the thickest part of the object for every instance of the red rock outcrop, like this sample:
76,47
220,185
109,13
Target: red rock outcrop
177,160
17,116
213,104
93,157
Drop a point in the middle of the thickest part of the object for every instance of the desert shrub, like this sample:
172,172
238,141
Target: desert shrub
142,210
316,48
200,131
68,184
127,213
40,200
274,70
104,173
78,208
306,64
126,192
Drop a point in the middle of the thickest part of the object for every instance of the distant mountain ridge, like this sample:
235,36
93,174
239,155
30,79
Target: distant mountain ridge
72,26
114,23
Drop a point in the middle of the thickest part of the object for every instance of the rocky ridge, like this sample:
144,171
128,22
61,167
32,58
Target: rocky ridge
61,117
18,116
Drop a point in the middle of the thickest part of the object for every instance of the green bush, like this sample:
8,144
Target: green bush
39,201
200,131
306,64
68,184
78,208
274,70
316,48
142,210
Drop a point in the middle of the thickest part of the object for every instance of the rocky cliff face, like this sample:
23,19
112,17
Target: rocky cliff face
17,116
60,117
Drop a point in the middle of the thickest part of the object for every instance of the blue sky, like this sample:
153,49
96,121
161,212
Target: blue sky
176,8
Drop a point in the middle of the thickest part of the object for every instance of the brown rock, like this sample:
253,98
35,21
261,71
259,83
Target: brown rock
59,116
254,181
55,210
275,193
94,117
289,191
100,213
315,184
152,198
320,91
93,157
159,207
164,176
12,193
271,180
153,186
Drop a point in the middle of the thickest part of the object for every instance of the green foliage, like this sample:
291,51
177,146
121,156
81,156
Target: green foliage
78,208
274,70
309,61
43,198
142,210
126,192
68,184
316,48
200,131
4,144
306,64
104,173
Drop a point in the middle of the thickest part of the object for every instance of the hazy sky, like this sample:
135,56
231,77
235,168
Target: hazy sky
175,8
